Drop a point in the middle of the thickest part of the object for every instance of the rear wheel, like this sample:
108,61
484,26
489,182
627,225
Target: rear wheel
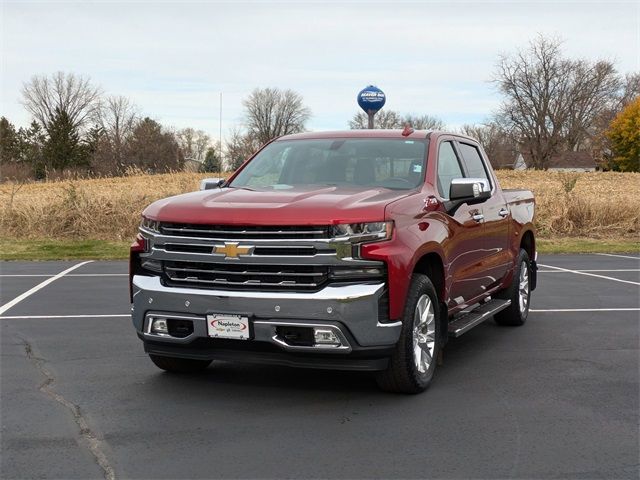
179,365
412,366
519,292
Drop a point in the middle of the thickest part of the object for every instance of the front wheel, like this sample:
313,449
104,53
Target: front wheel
519,292
413,363
179,365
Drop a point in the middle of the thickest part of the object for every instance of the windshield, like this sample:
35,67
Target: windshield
359,162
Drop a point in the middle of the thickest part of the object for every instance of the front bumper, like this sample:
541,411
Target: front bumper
350,310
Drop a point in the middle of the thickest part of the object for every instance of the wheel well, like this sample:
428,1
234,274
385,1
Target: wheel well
528,244
431,266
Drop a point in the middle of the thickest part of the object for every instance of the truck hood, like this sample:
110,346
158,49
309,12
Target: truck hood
310,205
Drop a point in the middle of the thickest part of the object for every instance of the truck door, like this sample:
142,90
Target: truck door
497,257
463,248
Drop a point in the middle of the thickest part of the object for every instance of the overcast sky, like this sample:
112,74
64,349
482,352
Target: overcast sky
174,58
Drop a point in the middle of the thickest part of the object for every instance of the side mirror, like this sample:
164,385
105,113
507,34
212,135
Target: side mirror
211,183
471,190
467,190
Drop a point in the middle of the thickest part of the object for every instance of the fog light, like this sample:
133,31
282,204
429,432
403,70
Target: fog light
159,325
153,265
325,336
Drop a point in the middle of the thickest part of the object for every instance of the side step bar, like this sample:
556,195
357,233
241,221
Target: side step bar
467,321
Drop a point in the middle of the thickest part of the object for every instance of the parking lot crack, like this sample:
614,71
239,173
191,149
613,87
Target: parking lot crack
87,436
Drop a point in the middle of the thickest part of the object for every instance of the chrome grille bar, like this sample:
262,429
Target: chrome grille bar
229,232
244,272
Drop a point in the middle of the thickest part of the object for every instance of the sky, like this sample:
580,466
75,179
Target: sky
173,59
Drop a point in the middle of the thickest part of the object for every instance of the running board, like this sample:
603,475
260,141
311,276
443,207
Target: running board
467,321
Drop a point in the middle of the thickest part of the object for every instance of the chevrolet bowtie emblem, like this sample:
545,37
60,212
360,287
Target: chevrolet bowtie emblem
233,250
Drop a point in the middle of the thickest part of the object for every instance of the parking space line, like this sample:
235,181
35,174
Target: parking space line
26,317
585,310
40,286
617,270
11,275
619,256
591,274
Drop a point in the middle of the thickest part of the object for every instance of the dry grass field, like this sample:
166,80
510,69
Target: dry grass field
589,205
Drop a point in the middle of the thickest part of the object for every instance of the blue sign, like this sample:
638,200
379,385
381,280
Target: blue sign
371,99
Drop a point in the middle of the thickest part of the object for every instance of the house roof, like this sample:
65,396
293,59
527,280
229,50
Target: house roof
569,159
572,160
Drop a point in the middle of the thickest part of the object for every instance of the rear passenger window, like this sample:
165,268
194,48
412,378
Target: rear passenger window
475,165
448,168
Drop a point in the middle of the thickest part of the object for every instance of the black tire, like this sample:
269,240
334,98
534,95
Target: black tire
402,374
515,315
179,365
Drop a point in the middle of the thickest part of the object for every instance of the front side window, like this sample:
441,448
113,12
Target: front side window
448,168
473,161
397,164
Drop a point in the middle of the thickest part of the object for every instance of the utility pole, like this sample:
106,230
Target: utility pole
220,133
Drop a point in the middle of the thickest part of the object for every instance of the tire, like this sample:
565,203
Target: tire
410,369
519,292
179,365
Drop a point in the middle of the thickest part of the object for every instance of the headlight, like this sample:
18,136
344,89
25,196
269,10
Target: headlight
362,232
150,225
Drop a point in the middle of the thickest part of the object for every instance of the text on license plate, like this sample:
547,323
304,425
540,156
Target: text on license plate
228,326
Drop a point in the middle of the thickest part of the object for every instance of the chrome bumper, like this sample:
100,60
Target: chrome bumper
353,309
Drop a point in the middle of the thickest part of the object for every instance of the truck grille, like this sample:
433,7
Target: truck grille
245,276
231,232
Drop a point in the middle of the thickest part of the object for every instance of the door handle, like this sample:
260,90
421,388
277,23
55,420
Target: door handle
478,217
503,212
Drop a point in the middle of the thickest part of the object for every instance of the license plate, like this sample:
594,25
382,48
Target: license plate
228,326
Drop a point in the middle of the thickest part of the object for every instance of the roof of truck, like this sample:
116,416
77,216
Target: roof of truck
368,133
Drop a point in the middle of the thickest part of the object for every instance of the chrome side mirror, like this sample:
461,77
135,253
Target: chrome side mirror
470,190
211,183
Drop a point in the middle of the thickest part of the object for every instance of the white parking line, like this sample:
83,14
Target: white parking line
11,275
26,317
40,286
586,310
618,270
620,256
591,275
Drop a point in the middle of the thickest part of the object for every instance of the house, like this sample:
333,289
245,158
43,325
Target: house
192,165
572,162
561,162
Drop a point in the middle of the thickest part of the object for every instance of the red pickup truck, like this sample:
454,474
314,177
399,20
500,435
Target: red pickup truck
361,250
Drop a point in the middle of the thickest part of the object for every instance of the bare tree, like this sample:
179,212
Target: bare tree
630,89
551,102
61,94
271,112
497,144
117,117
390,119
193,143
239,147
593,90
385,119
423,122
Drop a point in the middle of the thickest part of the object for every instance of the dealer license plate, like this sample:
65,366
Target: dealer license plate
228,326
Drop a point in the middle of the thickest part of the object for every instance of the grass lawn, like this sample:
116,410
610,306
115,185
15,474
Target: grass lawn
13,249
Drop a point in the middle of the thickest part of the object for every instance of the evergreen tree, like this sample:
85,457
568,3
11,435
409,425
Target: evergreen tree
31,145
9,142
63,148
212,161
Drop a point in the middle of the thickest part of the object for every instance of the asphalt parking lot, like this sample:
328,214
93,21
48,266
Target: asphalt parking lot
556,398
